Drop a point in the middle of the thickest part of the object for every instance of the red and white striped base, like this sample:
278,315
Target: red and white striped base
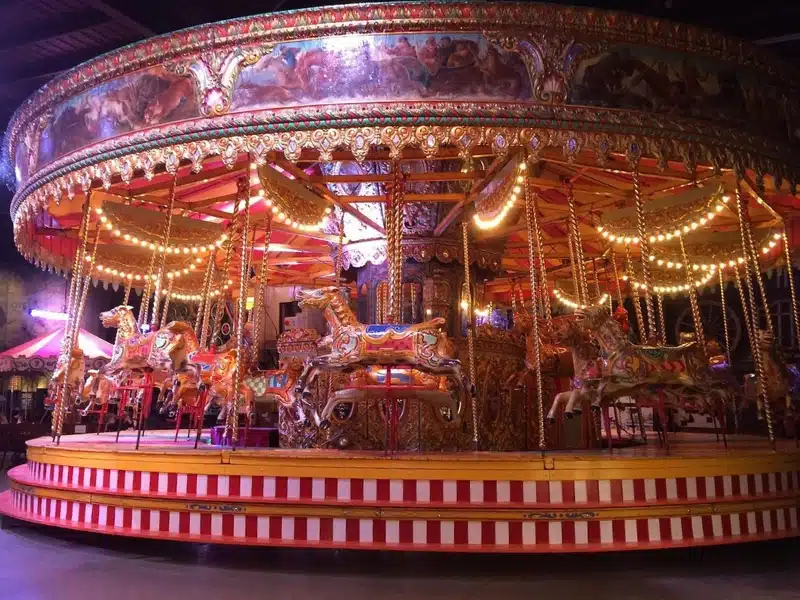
563,532
472,502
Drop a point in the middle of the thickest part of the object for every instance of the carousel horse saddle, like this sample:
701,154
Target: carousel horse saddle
382,329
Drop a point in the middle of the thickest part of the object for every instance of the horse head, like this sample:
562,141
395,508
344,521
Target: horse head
591,317
115,316
319,298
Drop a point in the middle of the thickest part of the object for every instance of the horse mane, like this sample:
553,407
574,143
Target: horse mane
183,328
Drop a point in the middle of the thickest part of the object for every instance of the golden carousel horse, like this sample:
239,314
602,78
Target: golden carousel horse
422,348
555,359
74,379
678,373
164,351
781,382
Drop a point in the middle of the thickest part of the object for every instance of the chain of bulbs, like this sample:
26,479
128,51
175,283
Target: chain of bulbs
674,289
117,231
566,301
773,243
666,237
509,204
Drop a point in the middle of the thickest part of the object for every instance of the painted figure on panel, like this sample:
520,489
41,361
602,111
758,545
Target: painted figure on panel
387,67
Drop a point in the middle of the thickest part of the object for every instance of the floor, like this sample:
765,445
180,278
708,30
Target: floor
48,564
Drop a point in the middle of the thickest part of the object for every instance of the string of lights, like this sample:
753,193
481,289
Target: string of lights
119,231
668,233
570,303
510,202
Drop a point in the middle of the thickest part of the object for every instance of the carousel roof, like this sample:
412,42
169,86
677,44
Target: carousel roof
49,346
313,116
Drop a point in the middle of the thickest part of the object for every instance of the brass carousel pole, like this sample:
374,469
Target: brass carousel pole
760,383
572,240
207,300
470,335
83,287
792,292
77,269
144,304
243,186
226,265
163,258
616,279
637,307
394,244
545,292
204,306
725,316
167,297
259,304
662,322
696,317
644,247
530,220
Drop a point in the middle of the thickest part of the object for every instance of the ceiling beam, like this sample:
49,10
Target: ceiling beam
121,18
326,193
370,178
434,198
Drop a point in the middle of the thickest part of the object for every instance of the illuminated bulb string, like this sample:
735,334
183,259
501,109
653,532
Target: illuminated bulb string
131,276
657,238
777,238
512,200
674,289
117,231
570,303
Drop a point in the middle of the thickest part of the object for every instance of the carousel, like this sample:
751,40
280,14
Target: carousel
459,257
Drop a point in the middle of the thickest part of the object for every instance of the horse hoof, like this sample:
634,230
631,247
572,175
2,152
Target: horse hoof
325,424
551,420
306,423
569,415
307,394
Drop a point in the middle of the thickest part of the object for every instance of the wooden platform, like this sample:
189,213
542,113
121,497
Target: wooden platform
635,498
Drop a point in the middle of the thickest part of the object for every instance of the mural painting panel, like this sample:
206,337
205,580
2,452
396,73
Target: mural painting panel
359,68
136,101
679,85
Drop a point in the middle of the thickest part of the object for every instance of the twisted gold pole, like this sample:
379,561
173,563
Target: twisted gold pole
746,250
233,414
545,292
661,319
792,292
644,246
207,299
698,321
77,269
470,335
258,308
204,300
637,307
616,279
167,298
144,305
529,221
83,286
226,265
163,255
578,279
724,316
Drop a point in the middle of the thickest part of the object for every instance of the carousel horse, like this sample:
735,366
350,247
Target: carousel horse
422,347
588,368
555,359
781,381
74,378
675,372
277,385
164,351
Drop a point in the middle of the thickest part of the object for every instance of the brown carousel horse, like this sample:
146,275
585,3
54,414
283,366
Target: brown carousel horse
679,373
422,348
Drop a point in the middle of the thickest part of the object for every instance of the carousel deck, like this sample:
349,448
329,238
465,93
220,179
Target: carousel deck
562,501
